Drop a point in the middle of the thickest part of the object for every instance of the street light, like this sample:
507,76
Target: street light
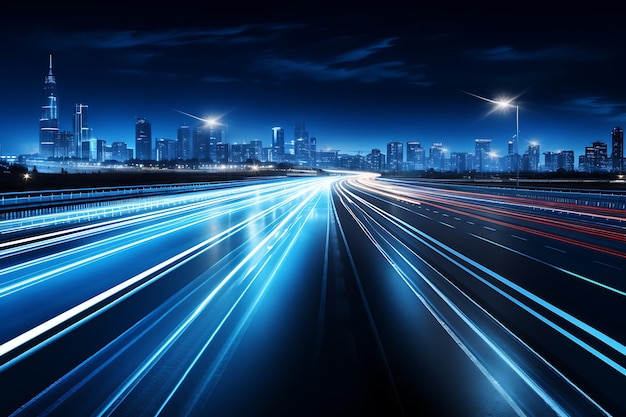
507,103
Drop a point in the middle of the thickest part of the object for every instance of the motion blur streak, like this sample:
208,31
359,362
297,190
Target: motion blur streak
397,248
282,296
573,274
433,310
419,196
568,317
184,222
251,257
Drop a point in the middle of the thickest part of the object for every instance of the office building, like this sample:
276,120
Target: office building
482,155
64,146
459,162
165,149
200,143
565,160
595,158
415,156
395,156
617,150
143,139
183,142
222,152
436,157
119,151
82,132
375,160
302,145
278,144
533,157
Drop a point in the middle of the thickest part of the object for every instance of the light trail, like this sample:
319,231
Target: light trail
353,202
60,320
203,264
432,200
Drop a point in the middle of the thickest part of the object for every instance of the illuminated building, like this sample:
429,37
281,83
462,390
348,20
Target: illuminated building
200,140
49,121
278,144
222,153
395,156
119,151
376,160
143,139
482,151
436,157
64,145
303,152
617,152
595,158
565,160
459,162
415,156
183,142
82,132
164,149
533,158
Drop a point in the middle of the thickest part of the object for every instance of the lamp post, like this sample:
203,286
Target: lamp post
508,103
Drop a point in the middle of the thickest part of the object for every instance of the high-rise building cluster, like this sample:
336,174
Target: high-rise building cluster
206,144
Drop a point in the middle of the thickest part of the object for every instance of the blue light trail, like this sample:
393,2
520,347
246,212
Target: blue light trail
167,300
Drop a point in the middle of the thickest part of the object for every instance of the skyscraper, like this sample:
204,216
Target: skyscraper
81,128
395,156
143,139
436,157
200,139
184,142
376,160
301,143
565,160
217,134
119,151
595,158
534,157
617,150
49,121
278,144
482,151
415,156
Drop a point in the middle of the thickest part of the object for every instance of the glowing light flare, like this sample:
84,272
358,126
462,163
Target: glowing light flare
207,121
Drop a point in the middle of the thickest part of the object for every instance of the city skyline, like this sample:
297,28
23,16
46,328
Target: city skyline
372,93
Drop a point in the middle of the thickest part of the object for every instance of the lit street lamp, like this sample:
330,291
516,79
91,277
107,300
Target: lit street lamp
508,103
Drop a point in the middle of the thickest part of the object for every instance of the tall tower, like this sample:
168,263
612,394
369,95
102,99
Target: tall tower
302,149
415,156
81,129
143,139
395,156
482,150
533,157
278,144
184,142
49,121
617,151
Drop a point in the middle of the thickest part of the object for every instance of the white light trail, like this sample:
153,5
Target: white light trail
107,298
452,256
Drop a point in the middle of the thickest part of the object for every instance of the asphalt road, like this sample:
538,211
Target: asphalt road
316,296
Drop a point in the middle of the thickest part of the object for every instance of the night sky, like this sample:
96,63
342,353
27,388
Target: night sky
359,78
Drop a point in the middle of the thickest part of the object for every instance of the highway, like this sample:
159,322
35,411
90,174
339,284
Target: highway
329,295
